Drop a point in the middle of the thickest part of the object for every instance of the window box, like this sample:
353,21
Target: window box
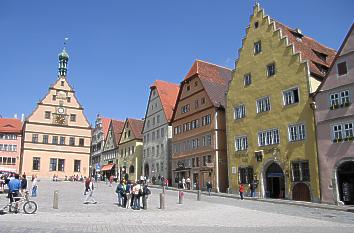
337,140
351,138
346,104
335,106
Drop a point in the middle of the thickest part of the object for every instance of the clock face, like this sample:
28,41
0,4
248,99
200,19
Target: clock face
60,119
60,110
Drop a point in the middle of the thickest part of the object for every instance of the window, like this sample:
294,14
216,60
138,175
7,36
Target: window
206,120
344,98
36,163
268,137
241,143
35,137
342,68
158,119
68,99
62,140
152,151
245,175
300,171
291,96
296,132
162,132
162,148
61,164
53,164
62,83
203,100
73,117
157,134
342,132
81,142
54,97
348,130
263,104
247,79
45,139
55,140
188,88
77,165
196,104
133,149
256,24
157,150
239,111
271,69
337,132
47,114
257,47
153,135
72,141
334,100
162,167
128,133
185,108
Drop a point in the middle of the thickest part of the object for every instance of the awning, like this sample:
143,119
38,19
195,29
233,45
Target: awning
107,167
7,169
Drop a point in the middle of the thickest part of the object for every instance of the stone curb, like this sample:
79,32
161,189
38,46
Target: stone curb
275,201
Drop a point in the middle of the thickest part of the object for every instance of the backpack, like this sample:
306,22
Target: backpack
119,188
146,191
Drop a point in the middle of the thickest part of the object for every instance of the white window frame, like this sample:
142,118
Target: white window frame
247,79
296,132
289,97
241,143
268,137
261,104
239,111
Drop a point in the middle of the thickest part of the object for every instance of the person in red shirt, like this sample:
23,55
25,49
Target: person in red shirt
241,190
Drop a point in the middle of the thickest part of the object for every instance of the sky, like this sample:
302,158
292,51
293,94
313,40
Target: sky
118,48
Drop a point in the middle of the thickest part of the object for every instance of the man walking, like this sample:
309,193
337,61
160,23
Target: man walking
119,191
241,190
209,187
89,197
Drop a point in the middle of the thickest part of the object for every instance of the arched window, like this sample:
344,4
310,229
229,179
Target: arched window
131,169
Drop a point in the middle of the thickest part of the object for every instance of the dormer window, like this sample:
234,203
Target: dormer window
188,88
62,83
323,69
256,24
320,55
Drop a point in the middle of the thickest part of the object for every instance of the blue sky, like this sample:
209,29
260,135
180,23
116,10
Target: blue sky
118,48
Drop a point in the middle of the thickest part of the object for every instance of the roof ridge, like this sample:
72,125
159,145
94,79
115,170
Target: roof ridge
207,62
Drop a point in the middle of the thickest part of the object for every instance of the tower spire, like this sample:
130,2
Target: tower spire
63,61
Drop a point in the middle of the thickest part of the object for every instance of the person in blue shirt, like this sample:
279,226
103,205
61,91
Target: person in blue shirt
14,187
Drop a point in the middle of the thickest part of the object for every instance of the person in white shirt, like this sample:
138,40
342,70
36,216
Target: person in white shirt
183,183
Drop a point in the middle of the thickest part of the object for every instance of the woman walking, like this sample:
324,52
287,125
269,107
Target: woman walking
241,190
89,197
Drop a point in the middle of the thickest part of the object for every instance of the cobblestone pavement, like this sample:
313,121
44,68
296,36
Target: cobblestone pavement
211,214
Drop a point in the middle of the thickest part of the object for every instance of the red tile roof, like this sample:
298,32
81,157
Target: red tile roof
168,93
308,48
10,125
136,126
215,80
117,126
105,125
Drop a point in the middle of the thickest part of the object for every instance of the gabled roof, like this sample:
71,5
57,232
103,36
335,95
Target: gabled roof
215,80
308,48
10,125
117,126
136,126
351,30
168,93
105,125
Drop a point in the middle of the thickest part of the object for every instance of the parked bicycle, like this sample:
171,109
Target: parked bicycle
29,207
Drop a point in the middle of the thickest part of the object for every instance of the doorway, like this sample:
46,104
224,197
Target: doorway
301,192
275,183
346,182
146,170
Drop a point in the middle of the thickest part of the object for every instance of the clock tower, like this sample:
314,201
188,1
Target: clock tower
57,134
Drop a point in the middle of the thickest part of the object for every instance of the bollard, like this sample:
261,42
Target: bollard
180,197
228,191
162,201
199,195
56,200
163,189
145,203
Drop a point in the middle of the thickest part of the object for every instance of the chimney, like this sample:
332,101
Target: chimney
15,116
298,31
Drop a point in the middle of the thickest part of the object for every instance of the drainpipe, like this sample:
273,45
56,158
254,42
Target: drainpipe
216,152
136,168
313,107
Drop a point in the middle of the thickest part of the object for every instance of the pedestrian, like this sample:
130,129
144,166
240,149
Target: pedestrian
183,183
209,187
34,186
128,195
87,185
241,190
110,181
14,187
188,181
146,193
23,185
253,189
119,191
136,196
89,197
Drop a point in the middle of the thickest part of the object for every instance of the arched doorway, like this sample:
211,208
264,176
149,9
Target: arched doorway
146,170
301,192
345,174
275,183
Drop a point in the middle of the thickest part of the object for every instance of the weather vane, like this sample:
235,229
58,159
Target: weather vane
65,41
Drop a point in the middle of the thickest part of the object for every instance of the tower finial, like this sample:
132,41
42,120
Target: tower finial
63,60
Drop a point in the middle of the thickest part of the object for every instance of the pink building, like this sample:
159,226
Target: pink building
335,127
10,144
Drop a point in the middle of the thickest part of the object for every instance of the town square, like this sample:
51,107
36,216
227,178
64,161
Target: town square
177,116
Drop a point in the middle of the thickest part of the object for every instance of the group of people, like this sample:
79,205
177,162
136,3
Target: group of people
252,188
131,194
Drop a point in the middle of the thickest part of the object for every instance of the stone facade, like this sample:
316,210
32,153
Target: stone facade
270,120
157,130
57,135
335,120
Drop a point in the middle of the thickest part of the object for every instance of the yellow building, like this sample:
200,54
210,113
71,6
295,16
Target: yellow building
270,120
130,150
57,135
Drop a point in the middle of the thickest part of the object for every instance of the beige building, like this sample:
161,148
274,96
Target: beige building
57,135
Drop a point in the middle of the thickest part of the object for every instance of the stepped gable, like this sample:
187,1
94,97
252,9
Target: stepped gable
215,80
10,125
136,126
168,93
309,49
